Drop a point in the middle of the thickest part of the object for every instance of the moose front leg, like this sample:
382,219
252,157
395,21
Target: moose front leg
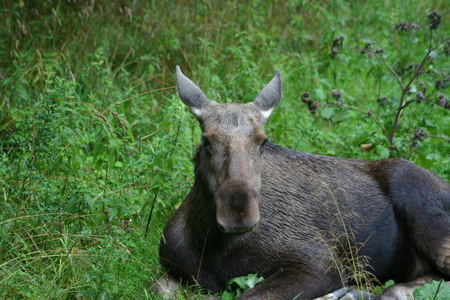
295,284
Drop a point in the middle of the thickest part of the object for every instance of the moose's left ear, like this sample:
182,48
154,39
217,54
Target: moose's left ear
270,96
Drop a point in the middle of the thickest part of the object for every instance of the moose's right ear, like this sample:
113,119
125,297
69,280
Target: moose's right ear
191,94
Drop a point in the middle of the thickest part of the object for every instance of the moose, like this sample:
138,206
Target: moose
294,218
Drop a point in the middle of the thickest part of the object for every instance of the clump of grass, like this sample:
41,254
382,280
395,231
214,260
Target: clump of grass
344,251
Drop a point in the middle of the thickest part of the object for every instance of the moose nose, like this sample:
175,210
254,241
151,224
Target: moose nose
237,207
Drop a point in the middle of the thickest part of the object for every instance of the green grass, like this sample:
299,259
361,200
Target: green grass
96,145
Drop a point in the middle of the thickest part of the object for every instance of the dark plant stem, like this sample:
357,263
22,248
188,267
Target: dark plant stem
437,290
151,213
405,89
175,141
105,208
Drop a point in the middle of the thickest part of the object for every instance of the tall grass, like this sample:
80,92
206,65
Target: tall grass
96,146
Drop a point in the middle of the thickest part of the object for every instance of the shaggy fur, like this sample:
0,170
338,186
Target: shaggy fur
292,217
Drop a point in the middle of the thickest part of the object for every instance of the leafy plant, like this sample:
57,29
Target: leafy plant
435,290
419,84
379,289
237,286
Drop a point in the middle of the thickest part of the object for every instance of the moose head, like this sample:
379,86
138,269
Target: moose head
231,150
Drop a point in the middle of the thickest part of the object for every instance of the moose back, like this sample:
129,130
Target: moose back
298,219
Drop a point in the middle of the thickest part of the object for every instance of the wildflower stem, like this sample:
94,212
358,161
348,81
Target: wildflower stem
406,88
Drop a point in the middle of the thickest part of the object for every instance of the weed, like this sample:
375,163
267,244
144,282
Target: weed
388,117
237,286
435,290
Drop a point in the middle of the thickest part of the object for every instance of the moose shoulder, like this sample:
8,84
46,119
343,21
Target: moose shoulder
295,218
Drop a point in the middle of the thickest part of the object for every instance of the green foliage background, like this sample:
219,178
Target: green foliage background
96,146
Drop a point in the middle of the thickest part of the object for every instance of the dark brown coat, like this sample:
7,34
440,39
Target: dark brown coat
297,219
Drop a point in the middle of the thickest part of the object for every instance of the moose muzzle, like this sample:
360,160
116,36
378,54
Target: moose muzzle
237,207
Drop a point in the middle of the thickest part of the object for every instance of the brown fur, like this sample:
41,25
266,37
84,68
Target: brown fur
293,217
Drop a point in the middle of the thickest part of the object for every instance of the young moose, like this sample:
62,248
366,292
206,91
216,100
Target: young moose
292,217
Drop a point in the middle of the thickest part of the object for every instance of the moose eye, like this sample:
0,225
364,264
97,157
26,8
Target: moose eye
261,149
206,144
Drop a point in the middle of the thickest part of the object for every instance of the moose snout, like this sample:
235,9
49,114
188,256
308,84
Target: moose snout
231,226
237,208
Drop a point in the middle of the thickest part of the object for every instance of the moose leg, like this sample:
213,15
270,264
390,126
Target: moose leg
434,246
421,202
295,284
443,258
430,234
402,291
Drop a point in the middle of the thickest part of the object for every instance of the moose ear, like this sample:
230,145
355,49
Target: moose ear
270,96
191,94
